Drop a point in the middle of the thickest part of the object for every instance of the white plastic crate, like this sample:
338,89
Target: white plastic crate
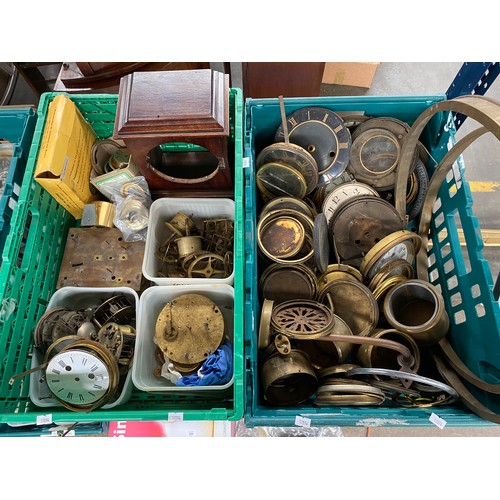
164,209
79,298
152,302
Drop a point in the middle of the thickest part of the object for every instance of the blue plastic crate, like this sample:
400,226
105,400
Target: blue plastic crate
16,126
475,317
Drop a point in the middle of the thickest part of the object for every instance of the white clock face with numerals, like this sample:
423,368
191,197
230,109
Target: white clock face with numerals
404,250
338,196
77,377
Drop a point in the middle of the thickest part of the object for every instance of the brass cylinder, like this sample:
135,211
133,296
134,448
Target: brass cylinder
288,380
416,307
188,245
371,356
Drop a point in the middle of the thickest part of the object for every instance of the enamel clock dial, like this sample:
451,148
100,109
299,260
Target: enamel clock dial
78,377
343,193
322,133
400,245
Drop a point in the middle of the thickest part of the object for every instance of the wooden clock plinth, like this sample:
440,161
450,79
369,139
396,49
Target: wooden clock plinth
175,125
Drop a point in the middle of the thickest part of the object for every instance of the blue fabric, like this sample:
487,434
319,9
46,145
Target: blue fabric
216,370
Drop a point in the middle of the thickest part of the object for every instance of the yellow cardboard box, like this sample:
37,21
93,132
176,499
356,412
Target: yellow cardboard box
63,166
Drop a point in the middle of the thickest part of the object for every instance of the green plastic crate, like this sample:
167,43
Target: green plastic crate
475,319
32,258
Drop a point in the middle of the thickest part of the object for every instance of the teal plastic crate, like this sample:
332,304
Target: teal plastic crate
475,317
32,258
16,126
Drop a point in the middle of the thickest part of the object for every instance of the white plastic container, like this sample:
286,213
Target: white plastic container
79,298
152,302
164,209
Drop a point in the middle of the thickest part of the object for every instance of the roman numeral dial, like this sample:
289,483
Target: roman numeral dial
78,377
323,134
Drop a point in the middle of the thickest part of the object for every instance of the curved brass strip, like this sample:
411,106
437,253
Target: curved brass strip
457,364
432,193
484,110
451,378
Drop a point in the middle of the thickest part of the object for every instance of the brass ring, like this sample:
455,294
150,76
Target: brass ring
390,241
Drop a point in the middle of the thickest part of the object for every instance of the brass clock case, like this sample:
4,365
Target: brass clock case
290,242
398,267
375,155
321,242
265,324
383,289
346,270
397,127
288,380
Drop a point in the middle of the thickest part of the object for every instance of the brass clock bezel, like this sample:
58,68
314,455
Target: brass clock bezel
370,260
297,186
294,156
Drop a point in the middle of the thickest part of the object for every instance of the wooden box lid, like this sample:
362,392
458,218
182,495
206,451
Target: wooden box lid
172,104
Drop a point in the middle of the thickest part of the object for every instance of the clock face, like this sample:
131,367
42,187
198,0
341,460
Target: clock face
399,251
322,133
343,193
77,377
401,246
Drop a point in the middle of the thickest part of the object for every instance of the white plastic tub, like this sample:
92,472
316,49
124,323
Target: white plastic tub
79,298
152,302
164,209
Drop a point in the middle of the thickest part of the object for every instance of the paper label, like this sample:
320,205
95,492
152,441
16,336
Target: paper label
44,419
437,421
302,421
246,162
175,417
63,433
